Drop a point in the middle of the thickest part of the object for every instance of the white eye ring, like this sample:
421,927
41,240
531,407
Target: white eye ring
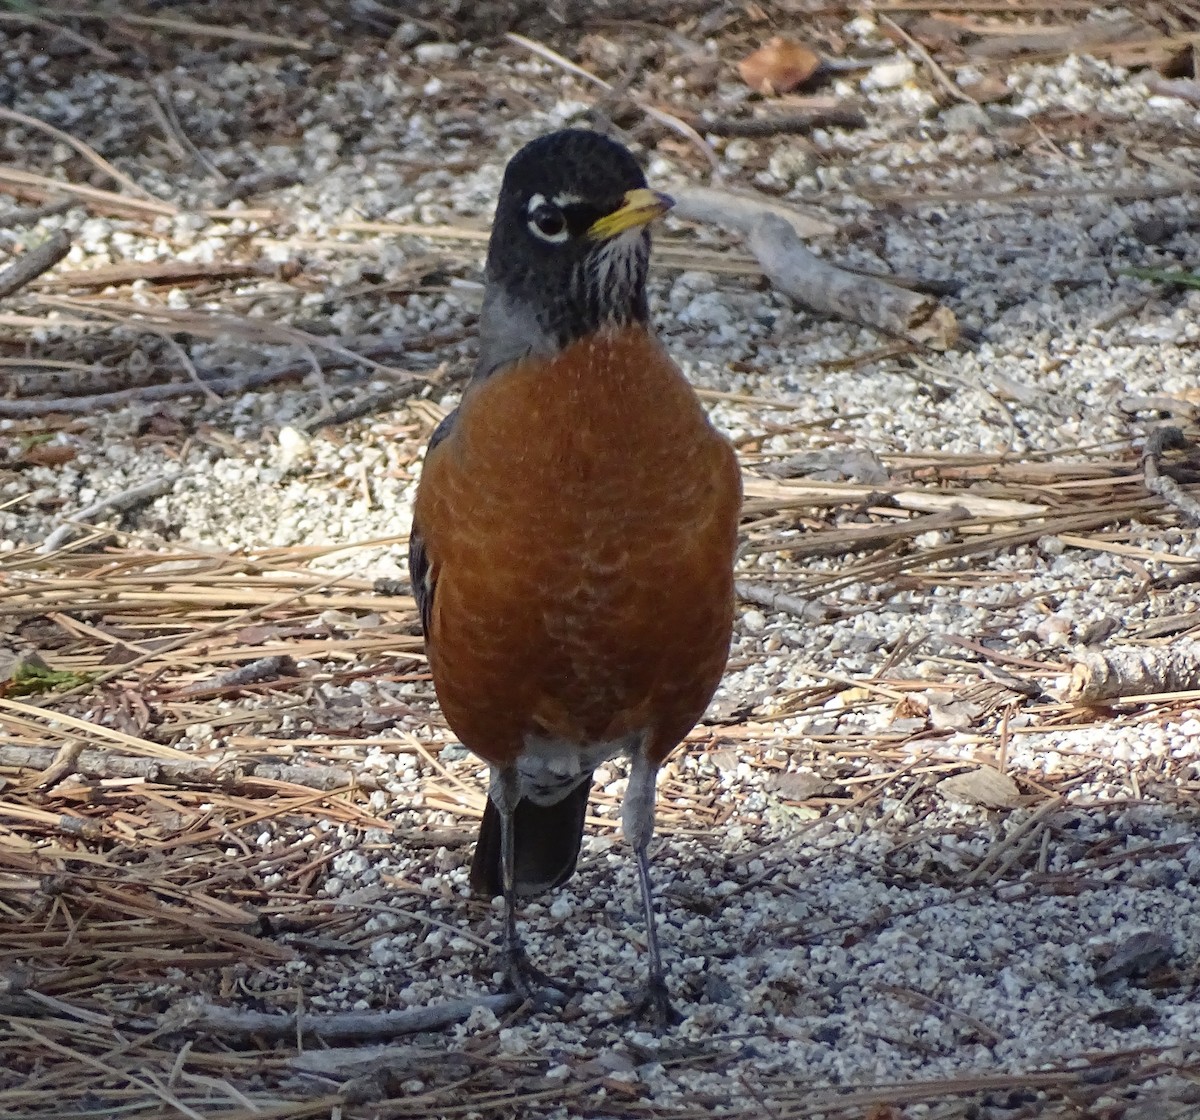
547,221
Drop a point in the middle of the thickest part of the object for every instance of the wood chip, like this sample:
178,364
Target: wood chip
1137,955
982,786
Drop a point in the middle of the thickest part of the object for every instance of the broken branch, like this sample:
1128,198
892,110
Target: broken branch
223,773
32,263
114,503
270,668
824,287
774,234
198,1015
782,124
1167,438
807,610
1134,671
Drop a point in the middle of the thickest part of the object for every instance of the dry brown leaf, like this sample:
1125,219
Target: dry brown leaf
982,786
911,706
989,88
779,66
884,1112
47,455
797,787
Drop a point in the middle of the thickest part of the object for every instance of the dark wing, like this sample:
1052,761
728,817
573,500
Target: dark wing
419,571
547,839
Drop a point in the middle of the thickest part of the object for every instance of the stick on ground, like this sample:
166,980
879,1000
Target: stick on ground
200,1016
807,610
1134,671
114,503
773,234
229,773
1168,438
32,263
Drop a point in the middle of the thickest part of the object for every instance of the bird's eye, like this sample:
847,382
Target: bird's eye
548,222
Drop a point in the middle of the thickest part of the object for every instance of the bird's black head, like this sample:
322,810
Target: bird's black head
569,248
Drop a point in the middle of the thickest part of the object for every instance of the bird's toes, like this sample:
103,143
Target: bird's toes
530,983
652,1005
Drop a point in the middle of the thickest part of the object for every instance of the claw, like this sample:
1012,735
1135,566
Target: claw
531,983
653,1005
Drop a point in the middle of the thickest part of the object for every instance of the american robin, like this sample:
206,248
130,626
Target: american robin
574,531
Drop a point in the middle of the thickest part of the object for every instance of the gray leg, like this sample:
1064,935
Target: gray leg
519,974
637,822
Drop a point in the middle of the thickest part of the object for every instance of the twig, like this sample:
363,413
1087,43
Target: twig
1188,574
114,503
763,596
923,1001
163,107
160,272
1001,856
789,493
221,386
350,1061
824,287
181,355
62,765
167,645
93,157
184,359
1158,402
32,263
930,378
253,672
147,1087
1162,439
1186,89
1011,681
26,184
669,120
31,215
365,405
238,383
101,52
181,27
198,1015
1133,671
943,79
213,324
232,773
784,124
774,234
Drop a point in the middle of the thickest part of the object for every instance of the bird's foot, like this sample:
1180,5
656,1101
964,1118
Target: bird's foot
530,983
653,1005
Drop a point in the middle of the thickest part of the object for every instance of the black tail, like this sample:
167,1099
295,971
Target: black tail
547,844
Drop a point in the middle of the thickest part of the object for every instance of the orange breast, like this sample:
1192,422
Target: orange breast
580,522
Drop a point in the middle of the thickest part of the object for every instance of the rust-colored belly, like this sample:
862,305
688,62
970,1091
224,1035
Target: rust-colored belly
581,523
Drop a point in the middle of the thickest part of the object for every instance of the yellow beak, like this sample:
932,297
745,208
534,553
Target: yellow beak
637,208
